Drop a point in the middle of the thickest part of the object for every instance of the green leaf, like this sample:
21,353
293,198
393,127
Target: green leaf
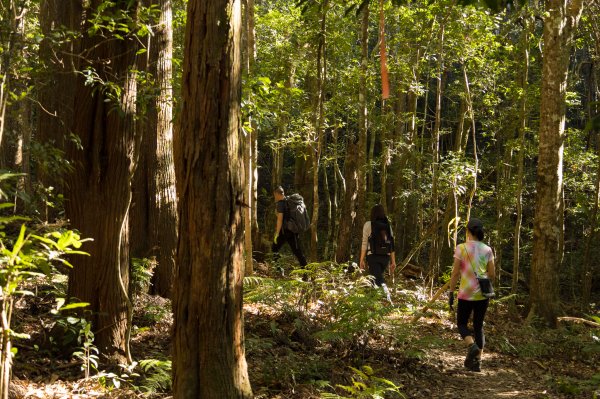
74,305
19,244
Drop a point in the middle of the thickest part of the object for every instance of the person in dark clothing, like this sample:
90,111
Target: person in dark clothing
283,235
378,262
471,259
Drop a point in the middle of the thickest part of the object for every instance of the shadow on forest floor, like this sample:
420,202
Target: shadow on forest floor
288,356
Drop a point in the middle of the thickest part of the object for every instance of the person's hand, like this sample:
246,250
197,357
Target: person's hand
275,238
451,300
362,264
392,267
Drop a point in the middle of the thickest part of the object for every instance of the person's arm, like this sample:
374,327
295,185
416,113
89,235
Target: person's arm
278,226
363,254
363,247
393,262
491,269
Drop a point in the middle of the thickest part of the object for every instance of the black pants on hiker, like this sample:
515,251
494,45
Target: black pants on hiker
294,241
377,265
478,308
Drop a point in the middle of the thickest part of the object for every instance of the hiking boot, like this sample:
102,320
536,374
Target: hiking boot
476,365
472,354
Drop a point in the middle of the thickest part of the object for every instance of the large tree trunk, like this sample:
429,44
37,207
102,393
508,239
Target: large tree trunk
208,354
162,218
560,24
353,217
99,189
56,85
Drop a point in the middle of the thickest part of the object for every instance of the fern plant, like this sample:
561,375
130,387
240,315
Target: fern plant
365,384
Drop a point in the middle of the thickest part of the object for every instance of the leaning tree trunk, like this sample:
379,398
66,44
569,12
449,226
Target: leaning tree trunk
560,24
352,214
99,189
208,353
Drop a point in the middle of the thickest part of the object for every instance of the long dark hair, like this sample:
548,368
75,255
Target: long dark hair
378,213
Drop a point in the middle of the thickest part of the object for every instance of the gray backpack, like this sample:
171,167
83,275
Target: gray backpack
298,220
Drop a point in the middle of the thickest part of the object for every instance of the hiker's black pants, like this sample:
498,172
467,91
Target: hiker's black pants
294,241
377,265
478,308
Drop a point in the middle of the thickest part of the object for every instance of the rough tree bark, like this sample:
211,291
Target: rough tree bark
159,239
56,106
560,23
99,189
208,354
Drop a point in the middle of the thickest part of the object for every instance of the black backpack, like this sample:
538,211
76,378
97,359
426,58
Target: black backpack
298,220
381,241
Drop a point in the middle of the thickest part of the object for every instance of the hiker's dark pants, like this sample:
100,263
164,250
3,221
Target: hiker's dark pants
294,241
377,265
478,308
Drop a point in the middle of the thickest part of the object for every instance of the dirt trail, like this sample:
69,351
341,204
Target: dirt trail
441,373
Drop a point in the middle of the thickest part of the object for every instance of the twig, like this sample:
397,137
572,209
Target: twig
433,298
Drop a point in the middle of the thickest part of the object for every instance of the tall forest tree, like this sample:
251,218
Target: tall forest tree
104,157
209,359
59,22
154,209
560,24
353,203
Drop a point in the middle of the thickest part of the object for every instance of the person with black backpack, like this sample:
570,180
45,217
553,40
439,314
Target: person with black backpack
292,219
378,247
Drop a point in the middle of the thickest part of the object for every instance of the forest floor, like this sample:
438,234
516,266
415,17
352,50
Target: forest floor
290,355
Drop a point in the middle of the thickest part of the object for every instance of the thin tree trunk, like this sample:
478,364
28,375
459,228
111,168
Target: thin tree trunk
385,159
22,156
434,253
352,215
521,157
475,157
254,133
329,220
248,153
208,350
560,24
335,194
318,139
